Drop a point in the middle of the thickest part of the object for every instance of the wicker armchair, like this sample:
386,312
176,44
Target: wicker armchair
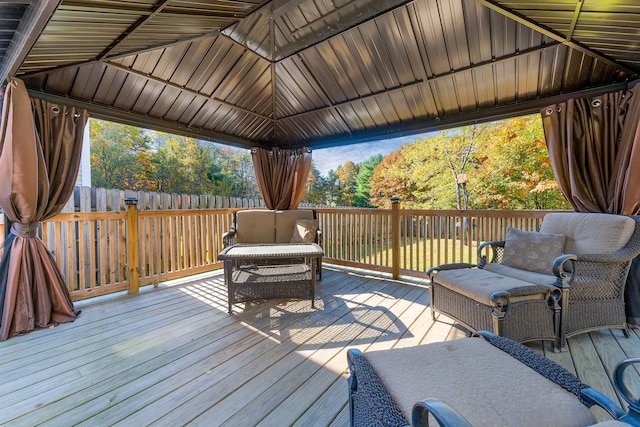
582,289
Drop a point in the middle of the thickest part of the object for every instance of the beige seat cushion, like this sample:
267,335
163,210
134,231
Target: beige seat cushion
516,273
255,226
590,233
487,386
478,284
286,221
612,423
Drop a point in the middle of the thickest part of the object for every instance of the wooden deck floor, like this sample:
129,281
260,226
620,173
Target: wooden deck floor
173,356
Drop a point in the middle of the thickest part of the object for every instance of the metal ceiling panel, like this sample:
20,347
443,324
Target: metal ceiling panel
12,13
321,72
299,24
609,28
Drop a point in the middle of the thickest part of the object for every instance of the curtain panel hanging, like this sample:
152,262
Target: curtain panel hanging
594,148
40,149
282,175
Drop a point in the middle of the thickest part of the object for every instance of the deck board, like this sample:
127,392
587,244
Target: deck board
173,356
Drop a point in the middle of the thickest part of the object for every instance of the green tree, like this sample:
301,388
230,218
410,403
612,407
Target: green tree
363,180
331,187
315,191
120,156
239,178
185,166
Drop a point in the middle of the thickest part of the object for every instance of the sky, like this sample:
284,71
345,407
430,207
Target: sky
326,159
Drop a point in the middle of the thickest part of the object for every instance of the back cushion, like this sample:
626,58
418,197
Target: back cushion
255,226
286,222
532,250
590,233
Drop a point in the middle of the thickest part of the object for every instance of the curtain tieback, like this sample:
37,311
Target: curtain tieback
25,230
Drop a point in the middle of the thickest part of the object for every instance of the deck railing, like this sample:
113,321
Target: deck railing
364,238
104,252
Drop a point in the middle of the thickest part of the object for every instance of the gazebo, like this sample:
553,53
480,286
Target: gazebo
285,75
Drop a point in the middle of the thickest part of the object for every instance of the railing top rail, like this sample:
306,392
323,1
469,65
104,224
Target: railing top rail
87,216
367,211
496,213
184,212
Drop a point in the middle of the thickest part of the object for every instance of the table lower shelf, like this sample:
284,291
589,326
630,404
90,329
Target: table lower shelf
253,282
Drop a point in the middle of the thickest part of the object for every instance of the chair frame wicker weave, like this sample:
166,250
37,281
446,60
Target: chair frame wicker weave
588,294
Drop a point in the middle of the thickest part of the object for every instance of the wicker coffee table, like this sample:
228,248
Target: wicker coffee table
255,271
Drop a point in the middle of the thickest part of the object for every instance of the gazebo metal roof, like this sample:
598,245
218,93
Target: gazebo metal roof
316,73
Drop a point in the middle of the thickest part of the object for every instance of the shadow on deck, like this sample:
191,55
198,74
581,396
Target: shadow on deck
173,356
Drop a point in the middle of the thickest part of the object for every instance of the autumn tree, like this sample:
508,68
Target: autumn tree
502,165
391,179
120,156
347,183
515,171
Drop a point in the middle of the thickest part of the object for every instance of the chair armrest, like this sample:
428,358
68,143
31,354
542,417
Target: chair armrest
444,414
497,249
564,268
229,238
500,300
633,413
454,266
594,397
319,237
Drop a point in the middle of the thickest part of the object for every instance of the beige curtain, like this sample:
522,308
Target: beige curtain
282,175
40,148
594,147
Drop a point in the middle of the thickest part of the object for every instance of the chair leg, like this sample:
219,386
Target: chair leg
433,313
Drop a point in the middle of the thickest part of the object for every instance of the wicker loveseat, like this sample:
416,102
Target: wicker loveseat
484,381
564,280
261,226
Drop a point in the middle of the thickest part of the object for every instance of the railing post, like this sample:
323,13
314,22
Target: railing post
395,237
133,261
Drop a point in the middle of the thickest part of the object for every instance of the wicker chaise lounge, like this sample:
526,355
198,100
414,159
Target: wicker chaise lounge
484,381
567,279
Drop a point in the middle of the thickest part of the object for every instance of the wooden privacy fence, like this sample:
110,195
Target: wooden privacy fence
87,199
104,252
